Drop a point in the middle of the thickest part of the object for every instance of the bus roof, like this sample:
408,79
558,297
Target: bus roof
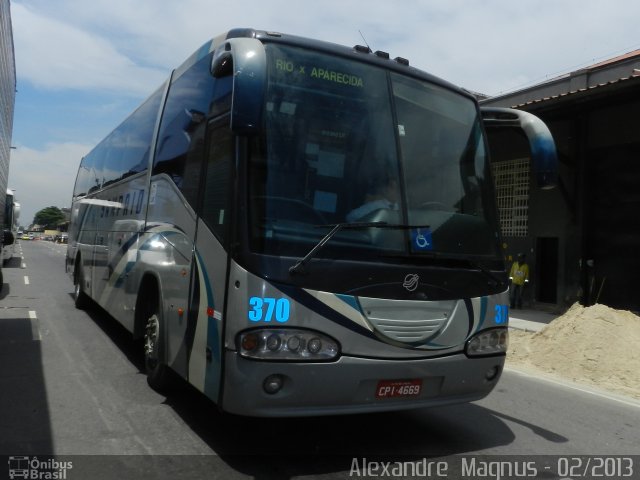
358,53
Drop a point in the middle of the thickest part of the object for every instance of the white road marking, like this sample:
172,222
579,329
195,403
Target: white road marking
26,280
35,331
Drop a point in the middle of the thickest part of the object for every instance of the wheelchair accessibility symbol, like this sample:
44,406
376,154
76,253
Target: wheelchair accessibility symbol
421,239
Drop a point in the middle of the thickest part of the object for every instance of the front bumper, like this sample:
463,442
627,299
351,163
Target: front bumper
349,384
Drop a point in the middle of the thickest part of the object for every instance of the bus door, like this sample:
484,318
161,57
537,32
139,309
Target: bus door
166,247
211,258
102,247
100,260
87,240
119,295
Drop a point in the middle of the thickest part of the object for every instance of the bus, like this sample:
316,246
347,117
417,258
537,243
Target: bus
10,228
228,224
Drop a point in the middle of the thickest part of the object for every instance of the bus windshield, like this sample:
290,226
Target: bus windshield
347,142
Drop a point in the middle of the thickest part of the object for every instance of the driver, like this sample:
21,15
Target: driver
383,193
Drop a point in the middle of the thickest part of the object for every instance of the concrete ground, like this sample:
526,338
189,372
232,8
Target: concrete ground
530,320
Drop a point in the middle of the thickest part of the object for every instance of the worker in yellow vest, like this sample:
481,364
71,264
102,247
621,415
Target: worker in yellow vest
519,277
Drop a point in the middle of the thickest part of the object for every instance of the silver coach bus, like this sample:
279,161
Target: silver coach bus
301,228
9,238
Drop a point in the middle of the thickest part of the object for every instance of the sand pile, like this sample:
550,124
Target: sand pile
595,345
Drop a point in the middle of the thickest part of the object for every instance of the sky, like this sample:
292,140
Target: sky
83,66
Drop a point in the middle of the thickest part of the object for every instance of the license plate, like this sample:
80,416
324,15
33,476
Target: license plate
398,388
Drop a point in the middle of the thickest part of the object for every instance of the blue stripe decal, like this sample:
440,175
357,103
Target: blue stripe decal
120,280
212,376
483,312
350,300
315,305
132,240
122,251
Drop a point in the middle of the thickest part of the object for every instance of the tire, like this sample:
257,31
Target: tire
80,299
158,374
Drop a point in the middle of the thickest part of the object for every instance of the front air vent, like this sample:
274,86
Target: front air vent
409,331
408,321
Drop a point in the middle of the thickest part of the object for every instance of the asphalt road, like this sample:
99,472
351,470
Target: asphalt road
72,384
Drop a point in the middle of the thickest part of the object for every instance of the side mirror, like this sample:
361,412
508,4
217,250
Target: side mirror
541,144
245,58
222,64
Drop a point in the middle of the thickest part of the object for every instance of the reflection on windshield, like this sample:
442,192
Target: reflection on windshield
330,153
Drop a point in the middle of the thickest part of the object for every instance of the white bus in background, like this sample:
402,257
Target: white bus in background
9,231
10,228
217,224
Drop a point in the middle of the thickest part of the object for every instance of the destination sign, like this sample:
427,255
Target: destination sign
320,73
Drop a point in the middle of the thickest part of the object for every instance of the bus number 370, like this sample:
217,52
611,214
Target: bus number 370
266,309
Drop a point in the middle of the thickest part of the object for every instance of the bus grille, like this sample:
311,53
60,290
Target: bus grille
408,322
409,331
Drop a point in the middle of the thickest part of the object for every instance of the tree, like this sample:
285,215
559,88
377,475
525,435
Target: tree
49,217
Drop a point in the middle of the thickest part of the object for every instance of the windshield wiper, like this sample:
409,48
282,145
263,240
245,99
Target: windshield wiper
487,273
299,266
455,261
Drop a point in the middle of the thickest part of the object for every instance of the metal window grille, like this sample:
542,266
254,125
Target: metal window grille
512,192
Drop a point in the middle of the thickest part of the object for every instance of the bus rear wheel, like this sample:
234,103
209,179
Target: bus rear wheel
157,372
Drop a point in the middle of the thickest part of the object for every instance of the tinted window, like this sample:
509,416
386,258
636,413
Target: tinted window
350,142
183,119
124,152
445,167
215,209
327,148
82,180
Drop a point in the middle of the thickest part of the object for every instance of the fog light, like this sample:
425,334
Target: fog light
492,373
272,384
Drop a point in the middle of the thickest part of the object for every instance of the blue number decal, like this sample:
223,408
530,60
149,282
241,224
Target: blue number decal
271,303
282,310
280,307
502,314
255,315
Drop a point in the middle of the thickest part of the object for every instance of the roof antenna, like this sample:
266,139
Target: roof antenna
365,41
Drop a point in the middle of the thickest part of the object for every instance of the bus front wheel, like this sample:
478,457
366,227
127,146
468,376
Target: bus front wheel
80,298
157,371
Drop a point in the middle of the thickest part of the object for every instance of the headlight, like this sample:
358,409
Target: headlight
287,344
488,342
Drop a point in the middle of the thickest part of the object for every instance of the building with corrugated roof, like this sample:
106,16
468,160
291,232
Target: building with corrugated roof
582,238
7,98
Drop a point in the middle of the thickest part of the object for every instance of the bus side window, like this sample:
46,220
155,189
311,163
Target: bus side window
215,207
182,127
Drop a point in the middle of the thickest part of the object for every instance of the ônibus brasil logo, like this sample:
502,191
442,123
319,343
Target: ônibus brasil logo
32,468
